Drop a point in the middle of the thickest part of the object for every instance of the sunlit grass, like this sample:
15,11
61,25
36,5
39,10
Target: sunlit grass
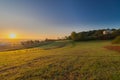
74,61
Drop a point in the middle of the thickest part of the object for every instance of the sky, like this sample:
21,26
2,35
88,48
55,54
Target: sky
40,19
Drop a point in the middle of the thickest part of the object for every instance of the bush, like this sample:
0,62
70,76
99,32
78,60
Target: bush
116,40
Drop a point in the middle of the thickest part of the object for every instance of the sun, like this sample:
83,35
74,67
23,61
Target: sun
12,35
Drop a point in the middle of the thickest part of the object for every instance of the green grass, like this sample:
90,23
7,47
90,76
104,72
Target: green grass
73,61
53,45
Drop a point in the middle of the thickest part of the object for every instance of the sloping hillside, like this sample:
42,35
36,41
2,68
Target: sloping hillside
73,61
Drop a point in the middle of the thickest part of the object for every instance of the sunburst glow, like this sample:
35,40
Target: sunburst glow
12,36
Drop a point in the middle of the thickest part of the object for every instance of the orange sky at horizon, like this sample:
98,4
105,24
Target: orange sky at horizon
30,36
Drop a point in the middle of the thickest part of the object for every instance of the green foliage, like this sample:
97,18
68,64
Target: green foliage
116,40
82,36
74,36
95,35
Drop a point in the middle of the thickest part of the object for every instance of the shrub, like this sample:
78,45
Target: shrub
116,40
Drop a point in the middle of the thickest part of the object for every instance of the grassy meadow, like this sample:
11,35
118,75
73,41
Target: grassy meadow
62,60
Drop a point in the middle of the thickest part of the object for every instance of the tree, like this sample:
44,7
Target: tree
74,36
82,36
95,35
99,34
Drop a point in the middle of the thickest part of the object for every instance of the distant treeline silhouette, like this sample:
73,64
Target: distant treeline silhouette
102,34
35,43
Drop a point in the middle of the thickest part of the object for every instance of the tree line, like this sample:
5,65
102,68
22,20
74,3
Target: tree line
102,34
35,43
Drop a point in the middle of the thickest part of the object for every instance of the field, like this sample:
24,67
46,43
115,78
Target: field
64,60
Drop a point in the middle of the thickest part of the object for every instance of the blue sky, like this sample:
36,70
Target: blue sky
57,18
